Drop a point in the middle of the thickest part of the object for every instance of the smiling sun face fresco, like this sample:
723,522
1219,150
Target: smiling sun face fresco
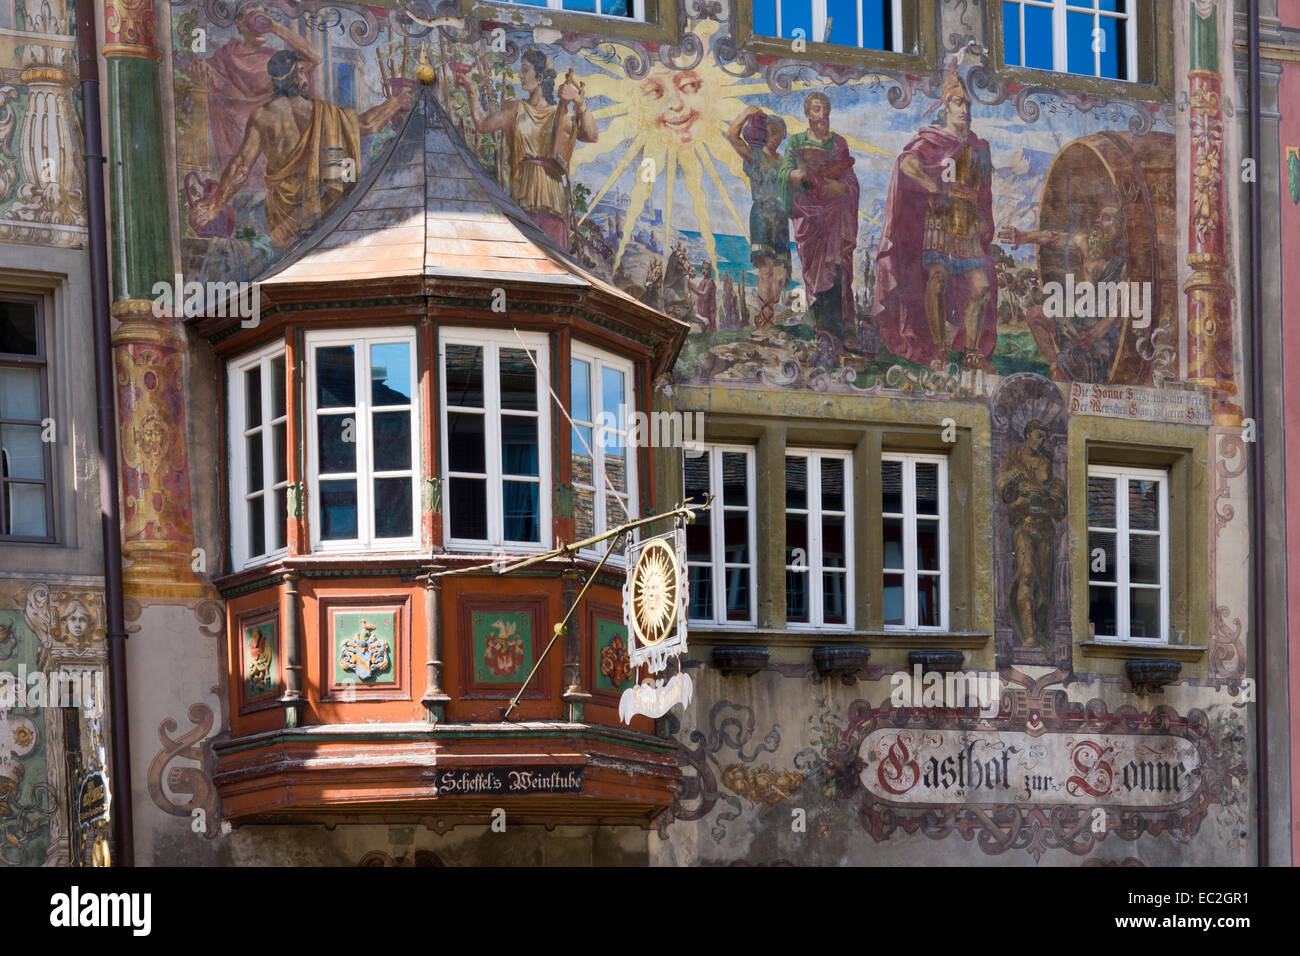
669,128
675,101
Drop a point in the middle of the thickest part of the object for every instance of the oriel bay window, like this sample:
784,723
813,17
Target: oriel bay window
601,399
720,543
1128,554
914,524
259,474
818,538
362,439
495,440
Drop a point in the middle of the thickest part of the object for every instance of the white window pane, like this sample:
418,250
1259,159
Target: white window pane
519,451
280,443
20,393
580,391
279,390
466,443
253,397
23,451
612,394
18,332
390,374
280,519
253,456
463,370
393,508
584,510
522,511
518,381
336,384
26,510
467,503
1038,38
336,443
257,526
338,510
392,441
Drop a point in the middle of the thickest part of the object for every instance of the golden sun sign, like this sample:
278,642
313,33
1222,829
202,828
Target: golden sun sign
655,590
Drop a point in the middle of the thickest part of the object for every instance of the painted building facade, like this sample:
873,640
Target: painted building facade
1280,52
52,615
965,336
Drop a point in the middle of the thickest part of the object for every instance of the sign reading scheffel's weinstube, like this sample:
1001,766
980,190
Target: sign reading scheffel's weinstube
508,780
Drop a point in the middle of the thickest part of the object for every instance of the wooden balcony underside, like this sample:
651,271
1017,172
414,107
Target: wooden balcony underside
547,773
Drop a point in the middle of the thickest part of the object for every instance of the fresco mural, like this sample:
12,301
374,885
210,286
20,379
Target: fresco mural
819,226
42,175
1032,562
1035,780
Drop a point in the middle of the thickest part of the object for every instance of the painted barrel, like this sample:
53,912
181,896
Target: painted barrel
1137,175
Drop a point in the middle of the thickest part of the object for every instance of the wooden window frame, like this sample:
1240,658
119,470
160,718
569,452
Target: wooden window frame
598,360
658,24
1061,33
897,25
237,432
919,52
41,362
1151,55
910,572
717,538
362,413
1122,533
815,512
491,341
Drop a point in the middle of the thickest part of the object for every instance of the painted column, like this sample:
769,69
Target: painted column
157,526
52,200
435,699
1209,290
573,696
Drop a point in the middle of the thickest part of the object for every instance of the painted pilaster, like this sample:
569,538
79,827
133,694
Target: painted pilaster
1210,359
158,529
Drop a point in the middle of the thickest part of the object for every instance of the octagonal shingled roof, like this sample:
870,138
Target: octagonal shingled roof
426,207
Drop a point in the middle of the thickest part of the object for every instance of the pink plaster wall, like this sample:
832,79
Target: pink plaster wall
1289,93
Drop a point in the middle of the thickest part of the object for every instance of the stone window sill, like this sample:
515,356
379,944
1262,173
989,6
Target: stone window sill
1118,651
795,637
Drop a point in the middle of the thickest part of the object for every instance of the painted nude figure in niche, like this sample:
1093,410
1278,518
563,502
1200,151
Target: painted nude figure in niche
756,138
540,133
936,288
1081,349
819,191
312,150
1035,500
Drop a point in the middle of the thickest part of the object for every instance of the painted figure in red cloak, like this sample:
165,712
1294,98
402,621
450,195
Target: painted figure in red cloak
936,289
